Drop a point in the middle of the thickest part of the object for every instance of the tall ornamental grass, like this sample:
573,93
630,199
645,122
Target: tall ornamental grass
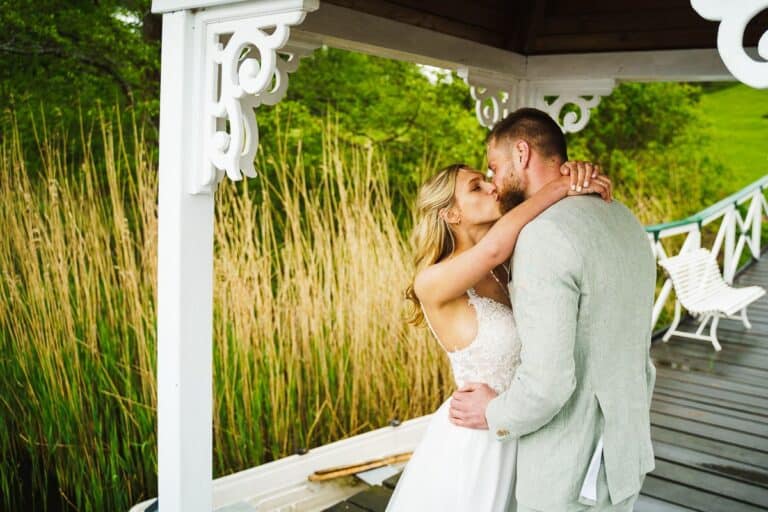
309,340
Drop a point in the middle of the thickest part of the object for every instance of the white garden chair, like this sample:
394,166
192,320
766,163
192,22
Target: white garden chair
701,290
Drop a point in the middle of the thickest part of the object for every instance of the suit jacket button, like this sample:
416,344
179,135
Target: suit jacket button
502,433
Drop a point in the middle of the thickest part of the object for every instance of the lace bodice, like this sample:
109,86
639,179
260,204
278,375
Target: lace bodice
494,355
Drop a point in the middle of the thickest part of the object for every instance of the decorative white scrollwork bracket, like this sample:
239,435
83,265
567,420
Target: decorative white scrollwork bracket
248,62
733,18
495,97
571,121
573,100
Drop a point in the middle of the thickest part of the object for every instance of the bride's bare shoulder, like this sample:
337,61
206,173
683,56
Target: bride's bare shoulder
426,283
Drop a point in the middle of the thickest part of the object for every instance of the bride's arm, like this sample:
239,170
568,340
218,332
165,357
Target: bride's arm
450,278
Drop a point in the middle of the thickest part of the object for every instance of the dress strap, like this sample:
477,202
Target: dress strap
473,297
431,329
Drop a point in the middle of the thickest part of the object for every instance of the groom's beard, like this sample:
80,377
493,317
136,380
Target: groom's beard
510,199
512,196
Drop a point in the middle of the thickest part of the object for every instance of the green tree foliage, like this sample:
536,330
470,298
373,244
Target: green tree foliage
65,60
391,105
651,138
637,116
57,52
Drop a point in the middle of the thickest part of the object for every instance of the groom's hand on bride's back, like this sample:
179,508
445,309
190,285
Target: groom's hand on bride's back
468,404
587,178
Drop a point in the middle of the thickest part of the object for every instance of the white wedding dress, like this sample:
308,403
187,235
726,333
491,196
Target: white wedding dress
460,469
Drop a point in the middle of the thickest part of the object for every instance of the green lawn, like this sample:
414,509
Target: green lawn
739,118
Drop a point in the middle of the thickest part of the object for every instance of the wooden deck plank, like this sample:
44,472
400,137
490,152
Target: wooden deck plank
720,466
714,381
711,405
757,312
648,504
697,499
732,334
740,336
755,335
706,481
743,374
705,445
741,356
391,482
716,432
375,498
711,387
724,397
736,353
726,406
756,430
730,338
732,364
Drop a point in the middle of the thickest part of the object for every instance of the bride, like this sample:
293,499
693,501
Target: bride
462,242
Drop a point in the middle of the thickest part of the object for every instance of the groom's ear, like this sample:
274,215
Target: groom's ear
522,153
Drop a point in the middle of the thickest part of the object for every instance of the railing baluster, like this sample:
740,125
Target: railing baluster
658,306
757,217
730,242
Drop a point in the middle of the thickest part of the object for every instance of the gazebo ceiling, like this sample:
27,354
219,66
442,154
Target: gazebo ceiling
542,27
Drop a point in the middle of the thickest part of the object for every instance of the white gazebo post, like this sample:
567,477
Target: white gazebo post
219,62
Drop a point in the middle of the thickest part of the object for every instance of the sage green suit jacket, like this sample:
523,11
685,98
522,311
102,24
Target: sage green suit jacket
582,289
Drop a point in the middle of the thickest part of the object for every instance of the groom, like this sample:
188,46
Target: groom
582,290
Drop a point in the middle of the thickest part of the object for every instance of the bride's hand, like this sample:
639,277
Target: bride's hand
587,178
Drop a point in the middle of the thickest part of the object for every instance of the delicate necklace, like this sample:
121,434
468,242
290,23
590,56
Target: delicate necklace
504,289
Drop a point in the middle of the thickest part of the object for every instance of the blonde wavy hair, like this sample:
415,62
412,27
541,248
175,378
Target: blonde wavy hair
432,238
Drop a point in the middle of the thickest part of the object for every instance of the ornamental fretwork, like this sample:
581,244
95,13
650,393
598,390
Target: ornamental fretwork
569,103
248,66
734,18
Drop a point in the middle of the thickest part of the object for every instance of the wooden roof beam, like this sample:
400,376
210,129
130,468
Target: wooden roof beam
353,30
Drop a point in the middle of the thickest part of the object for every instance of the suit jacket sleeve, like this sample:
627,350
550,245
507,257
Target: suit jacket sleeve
546,278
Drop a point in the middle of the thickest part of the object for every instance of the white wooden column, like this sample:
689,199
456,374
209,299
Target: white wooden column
219,62
185,284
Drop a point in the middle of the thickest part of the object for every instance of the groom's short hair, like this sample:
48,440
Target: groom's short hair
535,127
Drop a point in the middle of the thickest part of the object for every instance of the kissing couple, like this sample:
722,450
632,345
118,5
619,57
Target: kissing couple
540,288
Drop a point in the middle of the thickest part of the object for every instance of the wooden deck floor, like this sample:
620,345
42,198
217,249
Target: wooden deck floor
709,420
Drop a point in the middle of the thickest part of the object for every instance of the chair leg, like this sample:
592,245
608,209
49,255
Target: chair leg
675,323
713,333
744,318
704,320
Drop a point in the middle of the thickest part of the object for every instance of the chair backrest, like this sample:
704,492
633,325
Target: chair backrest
695,276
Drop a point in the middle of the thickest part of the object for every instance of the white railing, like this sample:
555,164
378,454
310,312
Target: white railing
736,232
